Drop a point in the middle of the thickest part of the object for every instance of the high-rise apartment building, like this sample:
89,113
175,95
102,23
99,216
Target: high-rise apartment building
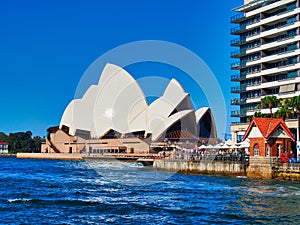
267,52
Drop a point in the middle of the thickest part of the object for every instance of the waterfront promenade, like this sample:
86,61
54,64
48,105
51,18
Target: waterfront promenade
231,165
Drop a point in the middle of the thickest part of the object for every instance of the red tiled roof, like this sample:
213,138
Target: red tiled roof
267,126
3,143
180,134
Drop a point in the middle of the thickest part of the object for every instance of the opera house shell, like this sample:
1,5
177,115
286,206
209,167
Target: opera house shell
117,108
118,104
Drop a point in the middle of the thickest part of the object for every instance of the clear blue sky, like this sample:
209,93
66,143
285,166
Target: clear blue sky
46,46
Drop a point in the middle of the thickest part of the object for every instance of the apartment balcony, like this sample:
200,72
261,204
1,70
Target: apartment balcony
238,89
237,77
290,10
238,53
237,65
281,24
237,41
275,70
237,18
277,31
257,6
288,39
238,30
237,101
282,55
238,113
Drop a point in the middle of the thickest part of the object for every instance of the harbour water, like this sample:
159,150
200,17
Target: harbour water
107,192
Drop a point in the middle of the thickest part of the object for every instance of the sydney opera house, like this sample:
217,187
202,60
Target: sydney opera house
115,117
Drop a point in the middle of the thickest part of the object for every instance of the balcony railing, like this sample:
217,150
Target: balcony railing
235,65
239,123
237,41
238,53
238,113
288,9
237,101
257,4
238,89
238,29
288,23
237,18
283,64
237,77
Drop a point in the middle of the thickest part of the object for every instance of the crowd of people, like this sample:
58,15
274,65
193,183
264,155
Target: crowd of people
205,154
287,157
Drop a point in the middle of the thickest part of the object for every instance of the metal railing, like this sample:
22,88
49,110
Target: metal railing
237,89
238,113
237,17
238,52
235,65
238,77
237,101
204,157
237,29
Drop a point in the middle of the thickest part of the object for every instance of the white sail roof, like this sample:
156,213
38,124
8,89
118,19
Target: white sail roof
118,103
186,118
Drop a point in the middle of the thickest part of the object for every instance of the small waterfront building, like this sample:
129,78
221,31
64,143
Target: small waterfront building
3,147
268,137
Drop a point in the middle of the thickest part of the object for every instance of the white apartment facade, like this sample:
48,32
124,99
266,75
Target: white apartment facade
267,54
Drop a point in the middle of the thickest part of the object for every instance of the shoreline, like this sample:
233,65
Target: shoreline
232,169
8,155
60,156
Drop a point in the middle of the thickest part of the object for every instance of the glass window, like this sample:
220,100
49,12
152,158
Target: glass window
256,149
268,150
291,6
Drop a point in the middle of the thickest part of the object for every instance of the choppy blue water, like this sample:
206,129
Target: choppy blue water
81,192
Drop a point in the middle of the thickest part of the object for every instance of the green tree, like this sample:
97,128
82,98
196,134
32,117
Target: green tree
295,104
270,101
22,142
259,115
284,112
3,137
37,143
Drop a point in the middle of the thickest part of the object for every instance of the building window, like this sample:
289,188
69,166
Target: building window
268,150
278,149
256,149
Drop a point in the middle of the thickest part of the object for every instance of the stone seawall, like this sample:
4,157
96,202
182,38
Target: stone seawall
287,171
260,167
201,167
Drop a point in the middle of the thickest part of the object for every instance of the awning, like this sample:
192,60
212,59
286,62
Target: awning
250,5
287,88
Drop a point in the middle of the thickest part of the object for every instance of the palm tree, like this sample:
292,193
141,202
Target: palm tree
295,104
284,112
270,101
259,115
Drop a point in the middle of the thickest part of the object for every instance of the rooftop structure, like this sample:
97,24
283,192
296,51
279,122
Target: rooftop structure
267,56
